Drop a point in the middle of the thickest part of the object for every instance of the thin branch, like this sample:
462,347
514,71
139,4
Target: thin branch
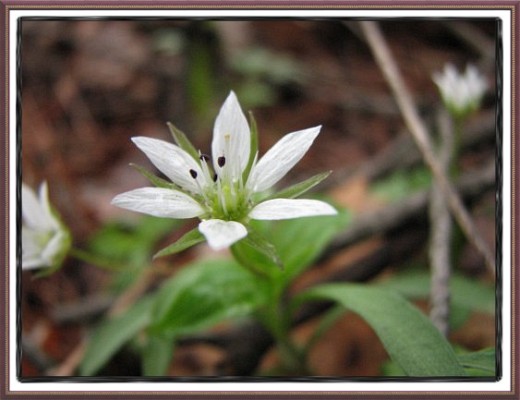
441,233
418,129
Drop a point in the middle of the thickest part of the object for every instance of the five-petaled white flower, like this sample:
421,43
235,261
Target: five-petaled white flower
45,240
224,193
461,93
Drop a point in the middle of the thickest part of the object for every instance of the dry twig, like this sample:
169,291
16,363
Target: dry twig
418,129
440,234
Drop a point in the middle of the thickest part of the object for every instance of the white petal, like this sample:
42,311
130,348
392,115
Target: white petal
32,263
231,138
281,158
173,162
290,208
221,234
159,202
33,213
46,207
30,240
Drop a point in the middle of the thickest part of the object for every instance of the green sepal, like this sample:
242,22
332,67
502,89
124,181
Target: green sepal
183,142
154,179
188,240
59,259
253,128
299,188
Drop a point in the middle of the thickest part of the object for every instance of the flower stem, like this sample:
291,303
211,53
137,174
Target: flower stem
276,319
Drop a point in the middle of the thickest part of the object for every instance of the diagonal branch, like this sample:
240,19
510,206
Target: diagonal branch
419,132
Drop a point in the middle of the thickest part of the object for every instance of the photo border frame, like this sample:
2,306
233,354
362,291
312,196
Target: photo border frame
8,145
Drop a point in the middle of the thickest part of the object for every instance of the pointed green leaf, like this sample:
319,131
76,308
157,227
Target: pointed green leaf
183,142
407,334
154,179
255,260
188,240
258,244
112,334
253,128
264,246
301,187
298,243
205,293
483,361
157,355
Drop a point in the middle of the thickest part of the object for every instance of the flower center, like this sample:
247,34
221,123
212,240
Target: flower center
223,195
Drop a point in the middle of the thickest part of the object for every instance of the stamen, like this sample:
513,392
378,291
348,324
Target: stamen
221,161
205,169
202,192
221,196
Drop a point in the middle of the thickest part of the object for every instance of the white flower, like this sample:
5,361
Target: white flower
45,241
222,193
461,93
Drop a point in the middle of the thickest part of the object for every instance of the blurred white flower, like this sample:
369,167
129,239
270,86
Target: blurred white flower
223,193
461,93
45,240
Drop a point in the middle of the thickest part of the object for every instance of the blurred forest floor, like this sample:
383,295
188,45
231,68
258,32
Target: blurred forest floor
88,86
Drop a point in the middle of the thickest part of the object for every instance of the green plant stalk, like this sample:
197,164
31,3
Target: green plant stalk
276,317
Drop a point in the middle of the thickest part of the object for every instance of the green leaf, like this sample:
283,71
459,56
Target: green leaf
408,336
301,187
298,243
112,334
402,183
188,240
154,179
483,361
256,261
261,64
183,142
253,128
157,355
130,243
390,368
205,293
258,242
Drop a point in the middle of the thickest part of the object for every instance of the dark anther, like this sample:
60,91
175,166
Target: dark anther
204,157
193,173
215,177
221,161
